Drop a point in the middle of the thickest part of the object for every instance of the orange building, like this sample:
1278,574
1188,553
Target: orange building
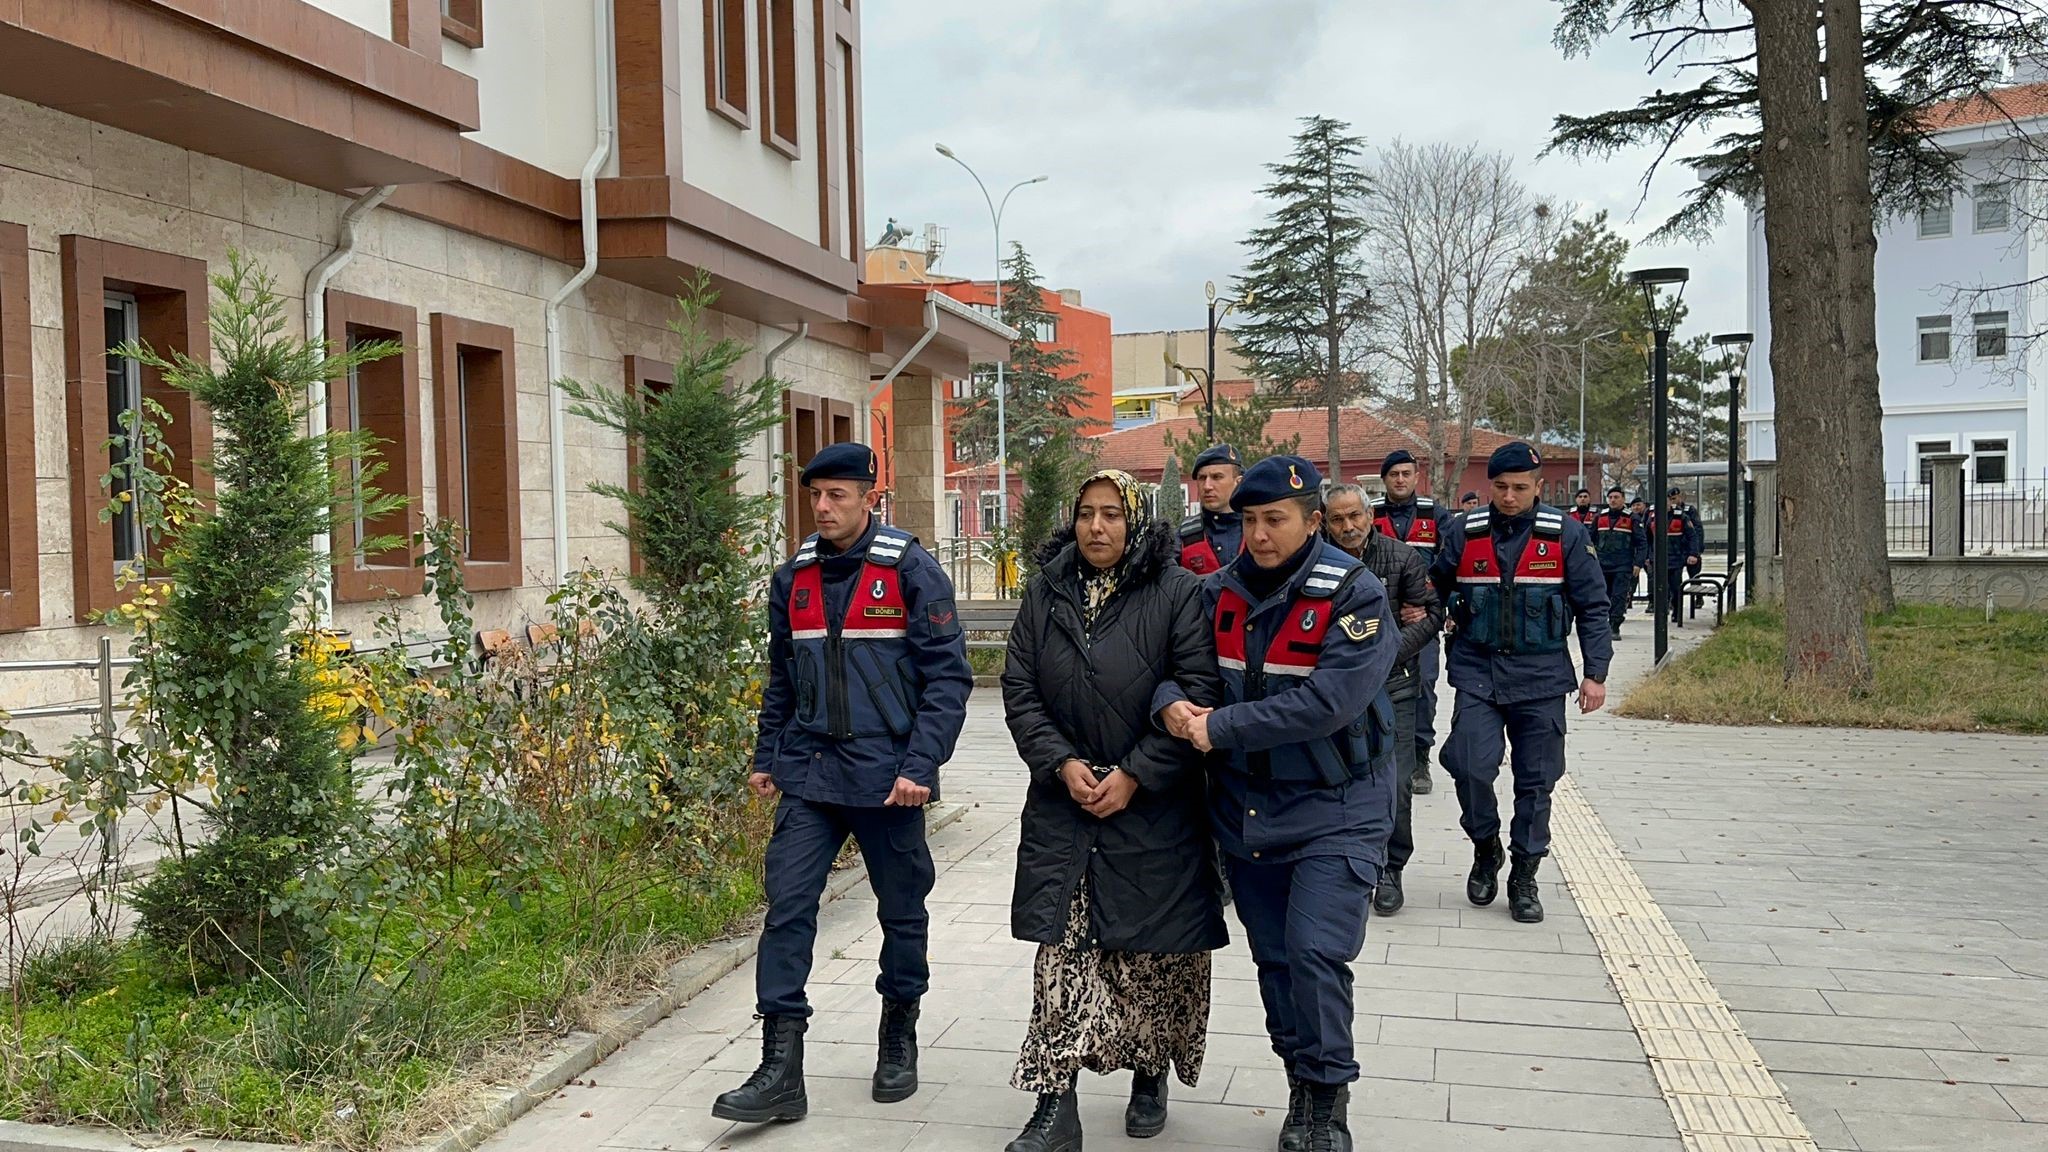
1074,328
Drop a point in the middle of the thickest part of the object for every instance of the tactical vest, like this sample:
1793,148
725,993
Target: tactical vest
854,675
1421,530
1614,534
1525,614
1197,553
1586,515
1674,531
1359,749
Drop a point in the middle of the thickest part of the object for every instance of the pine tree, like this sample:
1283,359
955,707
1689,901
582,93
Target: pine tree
1305,288
1046,396
1242,425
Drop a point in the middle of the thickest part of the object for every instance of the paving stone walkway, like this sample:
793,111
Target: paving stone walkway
1825,882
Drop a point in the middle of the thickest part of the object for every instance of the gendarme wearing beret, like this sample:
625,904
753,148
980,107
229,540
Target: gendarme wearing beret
847,461
1274,479
1218,454
1513,457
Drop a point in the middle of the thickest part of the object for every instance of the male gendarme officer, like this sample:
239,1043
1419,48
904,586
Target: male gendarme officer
1519,575
1214,535
1682,542
1622,541
867,691
1303,801
1417,521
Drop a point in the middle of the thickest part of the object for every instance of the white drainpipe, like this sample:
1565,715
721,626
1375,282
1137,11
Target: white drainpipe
770,474
316,329
558,464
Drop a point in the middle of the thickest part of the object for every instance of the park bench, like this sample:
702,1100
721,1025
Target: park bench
987,623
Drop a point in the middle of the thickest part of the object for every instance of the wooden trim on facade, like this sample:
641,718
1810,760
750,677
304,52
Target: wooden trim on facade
779,111
389,393
642,373
463,22
477,445
21,604
726,77
171,297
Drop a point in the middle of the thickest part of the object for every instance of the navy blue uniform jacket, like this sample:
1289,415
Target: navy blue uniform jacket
861,772
1514,677
1278,821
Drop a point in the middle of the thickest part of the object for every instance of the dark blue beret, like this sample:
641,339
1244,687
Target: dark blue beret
1218,454
1514,457
1396,458
848,461
1274,479
1468,496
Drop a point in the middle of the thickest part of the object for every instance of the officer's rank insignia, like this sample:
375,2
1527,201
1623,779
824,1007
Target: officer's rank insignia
878,591
803,598
1293,478
1592,551
1308,620
1359,630
1479,566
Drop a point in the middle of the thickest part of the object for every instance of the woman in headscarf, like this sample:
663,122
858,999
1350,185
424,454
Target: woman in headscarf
1115,879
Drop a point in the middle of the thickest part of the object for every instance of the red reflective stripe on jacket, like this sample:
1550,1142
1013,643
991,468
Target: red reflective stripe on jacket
1541,562
1200,557
876,611
1421,530
1294,649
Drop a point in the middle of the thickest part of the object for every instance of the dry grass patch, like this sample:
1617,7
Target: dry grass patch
1938,669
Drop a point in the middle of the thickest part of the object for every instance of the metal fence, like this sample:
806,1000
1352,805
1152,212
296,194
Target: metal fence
2009,518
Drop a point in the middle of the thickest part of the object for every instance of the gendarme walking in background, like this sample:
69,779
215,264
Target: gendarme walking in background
866,695
1417,521
1519,575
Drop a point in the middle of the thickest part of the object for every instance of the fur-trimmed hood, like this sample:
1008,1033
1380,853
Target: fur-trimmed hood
1157,550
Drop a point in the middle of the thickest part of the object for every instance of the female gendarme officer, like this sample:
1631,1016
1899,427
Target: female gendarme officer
1304,796
867,692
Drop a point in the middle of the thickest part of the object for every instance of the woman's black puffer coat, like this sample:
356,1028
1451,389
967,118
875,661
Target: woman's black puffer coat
1154,883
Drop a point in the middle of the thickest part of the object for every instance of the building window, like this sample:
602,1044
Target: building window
1994,207
1989,330
477,397
114,292
1043,329
1924,450
778,76
991,513
1934,332
463,22
811,423
725,60
1988,460
380,398
20,568
959,517
1936,221
650,378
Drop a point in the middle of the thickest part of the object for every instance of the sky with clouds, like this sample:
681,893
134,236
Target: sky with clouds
1155,118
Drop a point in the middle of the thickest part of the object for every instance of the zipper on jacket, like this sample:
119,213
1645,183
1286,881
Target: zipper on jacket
838,715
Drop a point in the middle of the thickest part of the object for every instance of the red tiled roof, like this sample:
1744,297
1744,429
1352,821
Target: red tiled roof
2019,102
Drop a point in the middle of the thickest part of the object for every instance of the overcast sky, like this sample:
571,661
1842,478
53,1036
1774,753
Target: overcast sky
1154,119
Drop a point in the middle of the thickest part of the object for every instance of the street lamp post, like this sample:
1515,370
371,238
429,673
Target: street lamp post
1216,318
1649,280
995,212
1738,340
1582,401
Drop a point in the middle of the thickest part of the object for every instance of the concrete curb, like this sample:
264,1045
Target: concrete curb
568,1058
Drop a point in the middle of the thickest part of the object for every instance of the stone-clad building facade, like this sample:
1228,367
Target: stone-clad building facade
423,169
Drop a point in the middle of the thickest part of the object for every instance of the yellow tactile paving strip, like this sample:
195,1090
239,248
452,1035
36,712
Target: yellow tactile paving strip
1720,1093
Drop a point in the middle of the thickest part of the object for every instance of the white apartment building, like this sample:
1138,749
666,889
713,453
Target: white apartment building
1959,368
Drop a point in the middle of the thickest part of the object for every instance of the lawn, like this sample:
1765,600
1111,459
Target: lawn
1938,669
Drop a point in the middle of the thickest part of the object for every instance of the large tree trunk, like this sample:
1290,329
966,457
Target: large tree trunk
1824,636
1856,249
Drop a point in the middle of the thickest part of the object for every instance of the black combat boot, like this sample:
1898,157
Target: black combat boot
1523,904
1145,1116
1418,780
1483,884
1294,1129
896,1055
776,1089
1055,1125
1388,897
1329,1129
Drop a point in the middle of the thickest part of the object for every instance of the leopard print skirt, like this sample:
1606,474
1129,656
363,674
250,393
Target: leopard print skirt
1107,1011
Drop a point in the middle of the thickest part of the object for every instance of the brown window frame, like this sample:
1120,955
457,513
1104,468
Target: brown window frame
463,22
453,337
392,573
20,565
727,54
810,423
779,111
171,296
640,373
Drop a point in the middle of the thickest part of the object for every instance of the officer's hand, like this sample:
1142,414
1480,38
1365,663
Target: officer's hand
1176,716
1198,733
1591,696
1413,614
1114,795
762,784
1692,559
1080,781
907,794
